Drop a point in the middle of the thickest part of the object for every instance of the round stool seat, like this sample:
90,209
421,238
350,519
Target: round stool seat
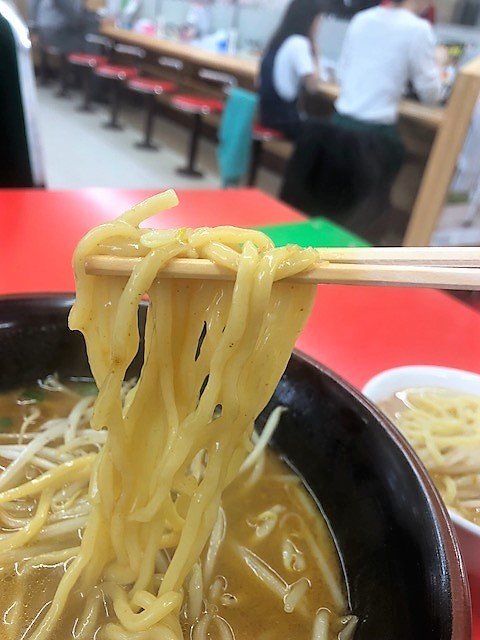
117,75
151,86
86,60
264,134
115,72
197,104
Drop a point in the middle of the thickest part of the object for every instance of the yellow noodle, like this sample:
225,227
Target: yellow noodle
213,355
75,469
153,438
31,529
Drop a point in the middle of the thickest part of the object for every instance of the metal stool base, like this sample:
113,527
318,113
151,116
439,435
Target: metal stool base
147,145
189,173
82,108
113,125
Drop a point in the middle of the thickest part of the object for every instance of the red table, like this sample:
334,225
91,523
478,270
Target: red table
356,331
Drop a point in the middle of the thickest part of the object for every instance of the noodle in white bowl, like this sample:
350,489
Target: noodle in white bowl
386,384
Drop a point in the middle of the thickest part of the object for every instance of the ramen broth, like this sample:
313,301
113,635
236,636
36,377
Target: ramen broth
273,527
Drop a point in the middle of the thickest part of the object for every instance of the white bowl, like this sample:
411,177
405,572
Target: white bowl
385,384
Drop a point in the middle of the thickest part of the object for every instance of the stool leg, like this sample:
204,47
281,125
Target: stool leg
254,162
146,143
87,91
44,70
115,107
190,170
63,77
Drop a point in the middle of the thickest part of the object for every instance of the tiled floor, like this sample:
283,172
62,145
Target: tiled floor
78,152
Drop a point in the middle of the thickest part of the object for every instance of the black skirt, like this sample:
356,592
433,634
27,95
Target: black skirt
340,164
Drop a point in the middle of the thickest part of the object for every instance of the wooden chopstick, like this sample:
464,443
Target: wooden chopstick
435,267
427,256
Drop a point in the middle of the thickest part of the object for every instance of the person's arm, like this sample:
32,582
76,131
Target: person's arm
306,65
425,71
310,81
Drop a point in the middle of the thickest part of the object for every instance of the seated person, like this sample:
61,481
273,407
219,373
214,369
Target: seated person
290,64
63,24
198,21
385,48
344,169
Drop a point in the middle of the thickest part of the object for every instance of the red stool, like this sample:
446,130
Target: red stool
118,75
87,62
46,53
199,106
150,88
259,136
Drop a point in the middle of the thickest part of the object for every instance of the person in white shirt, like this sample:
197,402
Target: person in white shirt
289,65
385,48
198,22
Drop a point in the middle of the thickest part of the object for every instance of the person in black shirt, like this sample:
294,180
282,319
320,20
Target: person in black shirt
289,65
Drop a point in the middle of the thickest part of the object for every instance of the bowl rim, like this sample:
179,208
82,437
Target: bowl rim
440,373
461,599
461,610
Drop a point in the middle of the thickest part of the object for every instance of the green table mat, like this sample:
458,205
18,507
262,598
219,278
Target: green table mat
317,232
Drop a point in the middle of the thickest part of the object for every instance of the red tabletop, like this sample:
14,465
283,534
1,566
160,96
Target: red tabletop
356,331
40,229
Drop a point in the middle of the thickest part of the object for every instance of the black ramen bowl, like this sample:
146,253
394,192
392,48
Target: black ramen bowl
404,573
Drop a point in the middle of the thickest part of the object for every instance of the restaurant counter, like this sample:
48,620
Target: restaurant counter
245,70
356,331
433,136
418,123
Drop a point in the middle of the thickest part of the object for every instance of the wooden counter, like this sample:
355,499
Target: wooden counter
244,69
433,136
418,122
411,110
443,158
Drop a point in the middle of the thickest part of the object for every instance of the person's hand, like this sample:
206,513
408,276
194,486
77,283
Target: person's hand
93,5
107,21
442,59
